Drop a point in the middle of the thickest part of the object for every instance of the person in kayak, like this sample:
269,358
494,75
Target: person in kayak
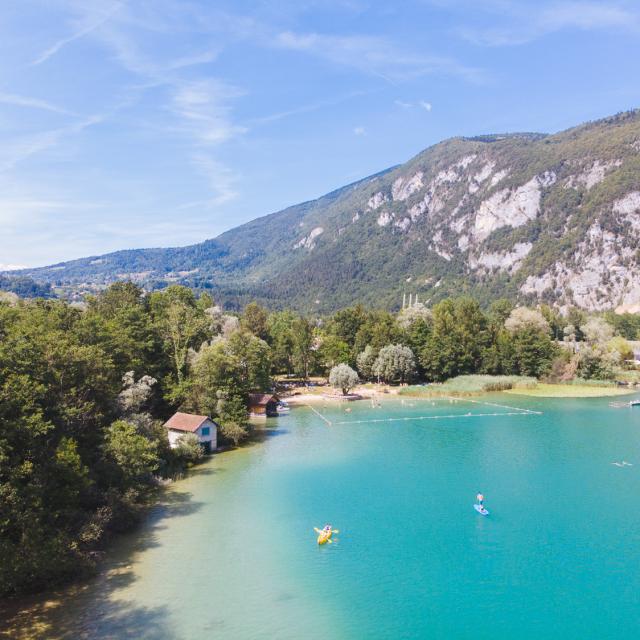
480,499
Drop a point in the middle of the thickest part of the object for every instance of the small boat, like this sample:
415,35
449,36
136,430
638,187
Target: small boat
480,509
324,535
283,407
634,403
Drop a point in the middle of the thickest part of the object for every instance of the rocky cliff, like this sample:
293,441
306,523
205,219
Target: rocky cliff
528,216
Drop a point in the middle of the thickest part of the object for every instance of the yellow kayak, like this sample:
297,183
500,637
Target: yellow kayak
324,536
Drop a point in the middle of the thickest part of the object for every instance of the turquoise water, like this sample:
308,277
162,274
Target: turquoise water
231,552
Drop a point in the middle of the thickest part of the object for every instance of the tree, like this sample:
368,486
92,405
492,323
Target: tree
342,376
596,363
332,351
378,330
135,456
135,395
252,357
181,324
618,345
395,362
232,413
525,318
410,315
365,362
597,331
458,340
345,324
281,340
303,343
533,351
255,320
625,324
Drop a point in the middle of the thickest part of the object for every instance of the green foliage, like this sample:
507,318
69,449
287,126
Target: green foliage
280,327
135,456
365,361
532,352
469,384
71,471
625,324
254,319
232,414
458,339
302,341
343,377
332,351
395,363
188,449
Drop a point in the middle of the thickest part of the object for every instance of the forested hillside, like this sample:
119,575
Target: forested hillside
533,217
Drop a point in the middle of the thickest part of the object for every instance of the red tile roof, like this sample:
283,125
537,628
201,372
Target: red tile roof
185,422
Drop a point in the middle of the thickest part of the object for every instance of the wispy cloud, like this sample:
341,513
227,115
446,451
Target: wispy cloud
421,104
373,55
32,103
360,131
203,107
15,151
525,23
307,108
82,31
221,182
204,57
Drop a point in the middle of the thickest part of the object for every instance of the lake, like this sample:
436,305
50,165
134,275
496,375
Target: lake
230,552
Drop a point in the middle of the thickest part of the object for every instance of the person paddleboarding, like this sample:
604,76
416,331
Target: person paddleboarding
479,506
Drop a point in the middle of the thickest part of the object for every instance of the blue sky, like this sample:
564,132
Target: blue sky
164,122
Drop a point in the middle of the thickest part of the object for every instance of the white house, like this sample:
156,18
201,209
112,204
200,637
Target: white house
203,426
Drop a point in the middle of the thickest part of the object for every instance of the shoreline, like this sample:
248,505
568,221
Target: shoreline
302,396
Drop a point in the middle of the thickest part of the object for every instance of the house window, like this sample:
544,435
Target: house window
206,431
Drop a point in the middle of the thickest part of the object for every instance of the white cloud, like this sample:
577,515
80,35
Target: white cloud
203,106
221,182
360,131
423,104
82,30
525,23
12,152
308,108
204,57
372,55
33,103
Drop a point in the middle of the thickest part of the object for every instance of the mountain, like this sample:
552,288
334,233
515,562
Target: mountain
553,218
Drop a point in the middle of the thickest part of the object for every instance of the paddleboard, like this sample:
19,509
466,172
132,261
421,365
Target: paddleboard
480,509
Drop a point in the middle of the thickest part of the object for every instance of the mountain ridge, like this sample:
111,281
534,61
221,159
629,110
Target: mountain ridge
530,216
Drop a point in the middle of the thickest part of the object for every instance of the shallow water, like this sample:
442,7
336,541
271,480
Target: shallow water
231,552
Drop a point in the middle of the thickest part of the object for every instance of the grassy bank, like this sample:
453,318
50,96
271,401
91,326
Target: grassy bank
584,390
520,385
469,385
